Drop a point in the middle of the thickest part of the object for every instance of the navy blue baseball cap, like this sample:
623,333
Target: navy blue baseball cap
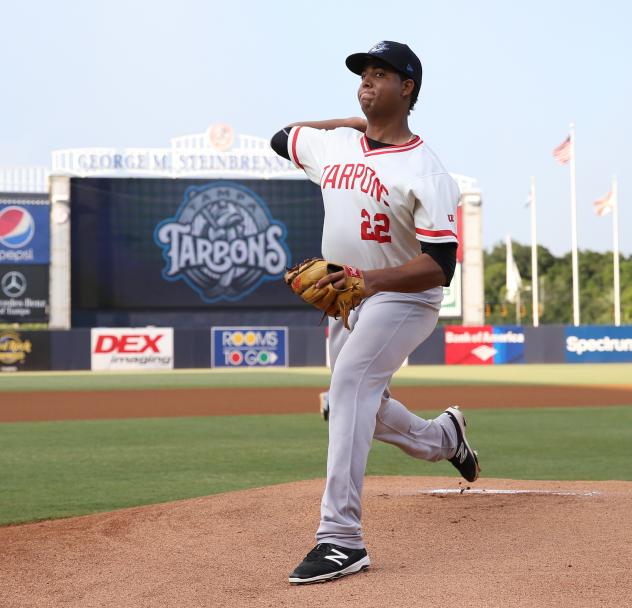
399,56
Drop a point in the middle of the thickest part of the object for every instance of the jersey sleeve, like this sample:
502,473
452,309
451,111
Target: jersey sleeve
436,201
307,148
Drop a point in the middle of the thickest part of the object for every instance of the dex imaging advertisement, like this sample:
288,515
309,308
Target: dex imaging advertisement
134,348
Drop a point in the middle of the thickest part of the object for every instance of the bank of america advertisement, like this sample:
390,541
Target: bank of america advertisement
484,345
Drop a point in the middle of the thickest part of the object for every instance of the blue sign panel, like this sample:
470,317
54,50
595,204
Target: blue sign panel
223,242
249,347
598,344
24,234
508,342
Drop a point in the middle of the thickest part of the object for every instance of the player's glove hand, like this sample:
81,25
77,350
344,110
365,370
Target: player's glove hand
335,301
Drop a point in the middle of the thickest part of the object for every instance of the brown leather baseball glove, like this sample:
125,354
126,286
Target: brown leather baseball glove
335,302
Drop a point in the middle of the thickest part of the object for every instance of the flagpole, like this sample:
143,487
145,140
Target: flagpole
534,260
574,231
615,251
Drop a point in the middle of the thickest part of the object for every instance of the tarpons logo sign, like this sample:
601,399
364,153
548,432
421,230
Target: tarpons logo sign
132,348
223,242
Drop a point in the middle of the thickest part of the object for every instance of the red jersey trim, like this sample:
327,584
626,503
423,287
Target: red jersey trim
435,233
293,150
411,145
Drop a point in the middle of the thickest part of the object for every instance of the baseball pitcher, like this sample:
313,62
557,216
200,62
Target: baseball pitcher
389,245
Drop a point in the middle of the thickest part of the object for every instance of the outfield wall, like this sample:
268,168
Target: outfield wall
141,348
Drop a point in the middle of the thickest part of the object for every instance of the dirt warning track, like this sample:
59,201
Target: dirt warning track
83,405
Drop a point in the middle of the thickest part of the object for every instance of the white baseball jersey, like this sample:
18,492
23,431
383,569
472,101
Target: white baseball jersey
378,203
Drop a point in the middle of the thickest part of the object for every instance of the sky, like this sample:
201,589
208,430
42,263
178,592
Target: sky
501,83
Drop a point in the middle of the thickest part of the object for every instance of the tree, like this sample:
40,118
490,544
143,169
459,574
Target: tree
596,293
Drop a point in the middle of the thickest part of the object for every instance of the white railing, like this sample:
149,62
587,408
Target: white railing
24,179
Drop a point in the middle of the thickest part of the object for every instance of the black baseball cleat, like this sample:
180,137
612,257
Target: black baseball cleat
326,562
465,458
323,401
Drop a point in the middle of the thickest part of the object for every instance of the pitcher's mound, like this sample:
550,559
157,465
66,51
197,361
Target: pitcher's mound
504,543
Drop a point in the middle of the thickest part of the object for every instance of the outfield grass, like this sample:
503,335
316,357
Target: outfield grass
57,469
491,375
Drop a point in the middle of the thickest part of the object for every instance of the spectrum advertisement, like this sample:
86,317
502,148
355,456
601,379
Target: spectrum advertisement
484,345
249,346
598,344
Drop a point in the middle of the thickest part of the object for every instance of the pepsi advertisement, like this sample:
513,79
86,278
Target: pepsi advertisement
24,233
189,244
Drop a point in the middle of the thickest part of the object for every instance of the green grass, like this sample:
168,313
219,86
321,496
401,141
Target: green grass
492,375
57,469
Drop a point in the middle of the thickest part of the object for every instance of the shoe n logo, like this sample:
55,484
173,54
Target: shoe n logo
337,557
461,453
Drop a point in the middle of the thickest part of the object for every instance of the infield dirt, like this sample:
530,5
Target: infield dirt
567,545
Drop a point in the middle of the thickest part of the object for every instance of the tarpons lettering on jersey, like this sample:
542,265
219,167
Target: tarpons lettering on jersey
354,176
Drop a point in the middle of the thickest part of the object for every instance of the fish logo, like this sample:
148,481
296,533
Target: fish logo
223,242
17,227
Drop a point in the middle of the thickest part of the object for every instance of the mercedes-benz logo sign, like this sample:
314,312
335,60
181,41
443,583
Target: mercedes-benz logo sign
13,284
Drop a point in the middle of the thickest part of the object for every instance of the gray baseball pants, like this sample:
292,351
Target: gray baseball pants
385,329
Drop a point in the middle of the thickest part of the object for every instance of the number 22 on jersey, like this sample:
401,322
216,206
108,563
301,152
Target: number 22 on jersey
376,228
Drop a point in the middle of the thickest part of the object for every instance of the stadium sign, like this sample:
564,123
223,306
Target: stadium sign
24,351
451,304
223,242
484,345
218,152
24,293
249,347
24,233
134,348
598,344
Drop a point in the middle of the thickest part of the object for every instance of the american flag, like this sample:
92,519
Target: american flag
603,206
562,154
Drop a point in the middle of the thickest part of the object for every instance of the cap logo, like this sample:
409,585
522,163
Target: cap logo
410,69
380,47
